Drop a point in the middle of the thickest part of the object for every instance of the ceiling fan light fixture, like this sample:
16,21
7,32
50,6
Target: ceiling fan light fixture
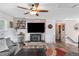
34,8
33,12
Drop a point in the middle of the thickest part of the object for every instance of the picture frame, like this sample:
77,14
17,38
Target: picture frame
50,26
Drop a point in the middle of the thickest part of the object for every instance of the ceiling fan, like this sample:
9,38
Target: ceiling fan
33,10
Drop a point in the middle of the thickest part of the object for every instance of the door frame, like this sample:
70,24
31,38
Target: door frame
60,32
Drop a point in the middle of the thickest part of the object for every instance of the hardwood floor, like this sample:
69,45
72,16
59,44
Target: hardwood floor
68,48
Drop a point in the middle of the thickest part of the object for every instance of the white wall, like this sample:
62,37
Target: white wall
70,31
50,33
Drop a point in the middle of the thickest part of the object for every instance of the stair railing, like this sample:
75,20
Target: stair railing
69,38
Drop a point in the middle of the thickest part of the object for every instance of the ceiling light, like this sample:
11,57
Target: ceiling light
33,13
34,8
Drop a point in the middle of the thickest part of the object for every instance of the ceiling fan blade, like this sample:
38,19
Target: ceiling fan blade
37,14
26,13
42,10
23,7
75,5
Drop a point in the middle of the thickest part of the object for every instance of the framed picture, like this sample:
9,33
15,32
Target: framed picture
50,26
11,24
76,26
21,24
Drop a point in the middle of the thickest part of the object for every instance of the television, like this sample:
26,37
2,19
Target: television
36,27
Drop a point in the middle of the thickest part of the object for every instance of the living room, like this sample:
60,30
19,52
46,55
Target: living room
55,28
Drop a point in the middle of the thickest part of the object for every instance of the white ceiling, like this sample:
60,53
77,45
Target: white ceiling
54,9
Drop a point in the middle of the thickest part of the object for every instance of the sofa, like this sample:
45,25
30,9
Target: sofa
7,47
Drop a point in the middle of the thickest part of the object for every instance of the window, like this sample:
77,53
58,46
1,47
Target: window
2,24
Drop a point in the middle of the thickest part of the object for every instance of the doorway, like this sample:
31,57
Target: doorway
60,33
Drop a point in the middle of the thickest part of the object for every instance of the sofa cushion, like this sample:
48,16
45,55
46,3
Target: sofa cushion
3,45
9,42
